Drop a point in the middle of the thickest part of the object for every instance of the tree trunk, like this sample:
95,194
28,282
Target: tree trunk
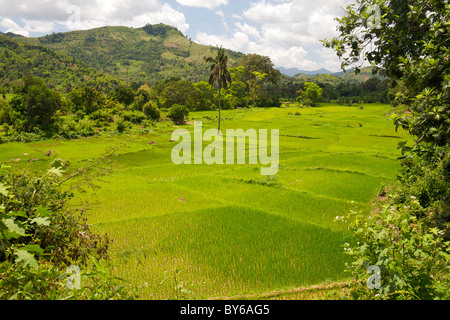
218,130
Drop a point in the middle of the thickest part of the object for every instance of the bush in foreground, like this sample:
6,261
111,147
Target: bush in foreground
40,238
406,236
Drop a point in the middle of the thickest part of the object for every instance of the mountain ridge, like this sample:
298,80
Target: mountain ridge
135,55
292,72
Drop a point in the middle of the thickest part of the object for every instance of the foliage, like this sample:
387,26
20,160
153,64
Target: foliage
71,128
151,110
40,237
133,116
205,96
414,259
179,91
144,96
160,30
178,113
37,104
408,42
123,95
426,177
261,64
88,99
311,94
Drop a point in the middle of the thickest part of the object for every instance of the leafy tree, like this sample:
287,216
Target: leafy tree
87,99
310,94
205,96
5,112
261,64
37,103
142,97
123,95
178,113
219,73
238,86
160,30
179,92
255,84
150,109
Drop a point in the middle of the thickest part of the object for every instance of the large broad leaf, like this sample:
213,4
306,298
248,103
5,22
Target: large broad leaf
56,171
18,214
26,258
41,221
14,229
4,189
34,248
43,211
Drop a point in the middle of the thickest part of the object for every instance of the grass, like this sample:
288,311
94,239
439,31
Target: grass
225,230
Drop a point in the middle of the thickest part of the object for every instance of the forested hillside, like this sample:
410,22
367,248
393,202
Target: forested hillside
141,55
104,57
59,71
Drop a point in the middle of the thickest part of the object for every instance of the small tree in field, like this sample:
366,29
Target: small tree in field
178,114
311,94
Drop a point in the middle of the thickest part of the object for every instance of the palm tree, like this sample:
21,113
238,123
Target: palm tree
219,73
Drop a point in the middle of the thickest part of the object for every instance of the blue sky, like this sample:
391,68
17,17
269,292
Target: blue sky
288,31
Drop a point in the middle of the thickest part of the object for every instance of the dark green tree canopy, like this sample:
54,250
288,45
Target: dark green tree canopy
179,91
257,63
37,103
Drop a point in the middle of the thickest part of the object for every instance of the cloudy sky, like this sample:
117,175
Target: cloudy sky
288,31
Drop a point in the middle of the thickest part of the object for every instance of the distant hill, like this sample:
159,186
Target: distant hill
12,35
59,71
109,55
334,78
140,55
292,72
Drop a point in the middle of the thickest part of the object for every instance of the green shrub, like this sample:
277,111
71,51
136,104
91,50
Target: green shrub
268,102
413,258
102,116
121,125
407,235
135,117
40,237
178,113
85,128
151,110
73,128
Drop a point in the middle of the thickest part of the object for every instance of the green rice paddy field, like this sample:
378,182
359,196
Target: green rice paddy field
225,230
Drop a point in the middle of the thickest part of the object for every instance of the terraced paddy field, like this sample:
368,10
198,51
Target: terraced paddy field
212,231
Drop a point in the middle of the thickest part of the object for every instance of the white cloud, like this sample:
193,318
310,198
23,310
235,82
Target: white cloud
288,31
241,42
13,27
208,4
268,12
43,16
